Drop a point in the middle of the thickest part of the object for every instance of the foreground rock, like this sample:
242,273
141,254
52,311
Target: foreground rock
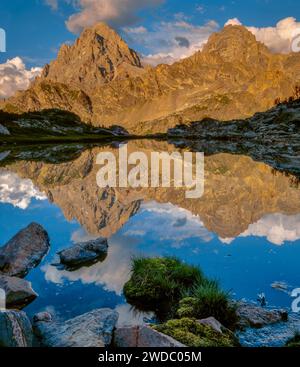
143,336
24,251
253,316
85,253
15,329
18,291
93,329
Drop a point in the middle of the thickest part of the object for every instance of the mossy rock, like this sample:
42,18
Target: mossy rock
209,300
193,334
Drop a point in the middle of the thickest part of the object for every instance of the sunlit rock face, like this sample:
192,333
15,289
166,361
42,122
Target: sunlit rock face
238,193
102,80
98,56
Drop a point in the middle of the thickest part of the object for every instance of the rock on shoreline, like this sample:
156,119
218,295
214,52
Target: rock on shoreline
254,316
92,329
24,251
18,291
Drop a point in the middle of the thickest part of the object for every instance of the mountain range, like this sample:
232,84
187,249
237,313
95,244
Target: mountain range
104,82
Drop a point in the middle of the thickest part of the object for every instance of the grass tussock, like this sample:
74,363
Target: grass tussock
172,289
160,282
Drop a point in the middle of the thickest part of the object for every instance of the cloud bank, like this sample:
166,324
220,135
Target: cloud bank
14,76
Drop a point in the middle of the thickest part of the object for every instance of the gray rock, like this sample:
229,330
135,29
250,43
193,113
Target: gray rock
42,316
18,291
15,329
213,323
253,316
84,253
93,329
24,251
143,336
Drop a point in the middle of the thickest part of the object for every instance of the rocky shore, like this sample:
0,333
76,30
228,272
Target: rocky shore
271,137
99,328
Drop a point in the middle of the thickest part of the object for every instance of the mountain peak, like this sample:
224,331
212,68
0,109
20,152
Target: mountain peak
100,29
97,57
235,43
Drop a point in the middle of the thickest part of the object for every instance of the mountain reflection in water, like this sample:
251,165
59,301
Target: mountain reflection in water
244,230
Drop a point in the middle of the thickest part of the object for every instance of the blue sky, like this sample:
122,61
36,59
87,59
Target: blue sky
35,30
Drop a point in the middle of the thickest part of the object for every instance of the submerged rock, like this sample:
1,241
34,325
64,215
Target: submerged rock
18,291
84,253
273,335
15,329
143,336
253,316
24,251
93,329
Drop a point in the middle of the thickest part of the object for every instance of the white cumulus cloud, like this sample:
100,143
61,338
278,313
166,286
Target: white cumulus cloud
276,228
17,191
117,13
279,38
14,76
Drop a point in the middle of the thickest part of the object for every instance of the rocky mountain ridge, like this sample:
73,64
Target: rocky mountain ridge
103,81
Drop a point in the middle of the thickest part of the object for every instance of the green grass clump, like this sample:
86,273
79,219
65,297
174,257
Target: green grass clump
193,334
173,289
159,283
207,299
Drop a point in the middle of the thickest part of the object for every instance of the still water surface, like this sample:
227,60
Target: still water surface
244,231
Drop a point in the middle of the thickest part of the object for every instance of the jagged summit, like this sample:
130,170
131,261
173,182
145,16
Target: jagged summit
97,57
235,43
